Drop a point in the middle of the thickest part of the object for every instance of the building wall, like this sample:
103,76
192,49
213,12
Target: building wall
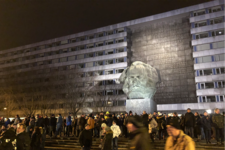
165,45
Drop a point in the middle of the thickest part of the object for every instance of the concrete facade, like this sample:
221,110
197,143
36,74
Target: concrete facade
183,45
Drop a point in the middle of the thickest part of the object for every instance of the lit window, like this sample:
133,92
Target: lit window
218,32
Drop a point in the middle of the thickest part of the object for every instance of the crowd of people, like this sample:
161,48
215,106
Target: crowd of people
178,132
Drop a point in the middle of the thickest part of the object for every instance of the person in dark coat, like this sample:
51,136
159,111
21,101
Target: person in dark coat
22,139
121,120
85,138
197,129
107,139
7,137
189,121
46,123
82,123
145,119
52,125
36,139
138,134
206,122
109,121
97,126
182,127
161,125
218,120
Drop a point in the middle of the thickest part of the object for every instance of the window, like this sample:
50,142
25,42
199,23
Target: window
216,20
221,84
81,47
219,57
108,62
108,52
80,56
99,63
99,44
206,59
89,55
73,40
71,58
71,67
218,32
121,103
200,24
202,35
98,73
218,45
211,99
209,85
63,42
40,63
119,70
215,9
72,49
119,30
208,72
119,50
89,64
82,38
221,98
63,59
107,72
119,60
109,103
110,32
90,36
119,92
222,70
99,53
100,34
199,12
203,47
119,40
109,92
90,46
202,86
109,42
62,68
64,50
79,66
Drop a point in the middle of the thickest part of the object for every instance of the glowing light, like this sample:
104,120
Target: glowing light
209,111
5,108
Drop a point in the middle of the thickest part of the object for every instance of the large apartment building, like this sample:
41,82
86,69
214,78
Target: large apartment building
185,45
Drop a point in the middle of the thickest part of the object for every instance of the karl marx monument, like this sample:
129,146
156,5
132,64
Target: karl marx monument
139,84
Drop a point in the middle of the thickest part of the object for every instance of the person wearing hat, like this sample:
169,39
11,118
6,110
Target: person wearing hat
161,125
138,134
177,140
85,138
91,123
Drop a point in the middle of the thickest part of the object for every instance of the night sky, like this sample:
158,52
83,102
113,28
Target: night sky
25,22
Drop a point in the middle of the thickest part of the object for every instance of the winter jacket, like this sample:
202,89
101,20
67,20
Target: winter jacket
120,121
35,141
68,121
206,122
97,122
6,123
197,128
161,122
116,130
189,120
59,123
46,122
109,121
23,141
145,120
91,123
107,140
52,122
7,138
81,123
152,124
140,140
85,138
184,142
218,120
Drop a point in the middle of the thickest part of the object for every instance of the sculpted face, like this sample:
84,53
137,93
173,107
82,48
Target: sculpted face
139,80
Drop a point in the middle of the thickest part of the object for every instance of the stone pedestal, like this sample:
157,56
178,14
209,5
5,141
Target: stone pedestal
140,105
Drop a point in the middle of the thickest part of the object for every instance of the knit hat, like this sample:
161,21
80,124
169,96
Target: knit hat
103,125
136,121
174,123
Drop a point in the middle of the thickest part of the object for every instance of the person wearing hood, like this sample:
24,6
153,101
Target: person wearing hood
161,125
189,121
177,140
107,139
139,137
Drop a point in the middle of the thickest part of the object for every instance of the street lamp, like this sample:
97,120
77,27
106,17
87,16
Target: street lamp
5,108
